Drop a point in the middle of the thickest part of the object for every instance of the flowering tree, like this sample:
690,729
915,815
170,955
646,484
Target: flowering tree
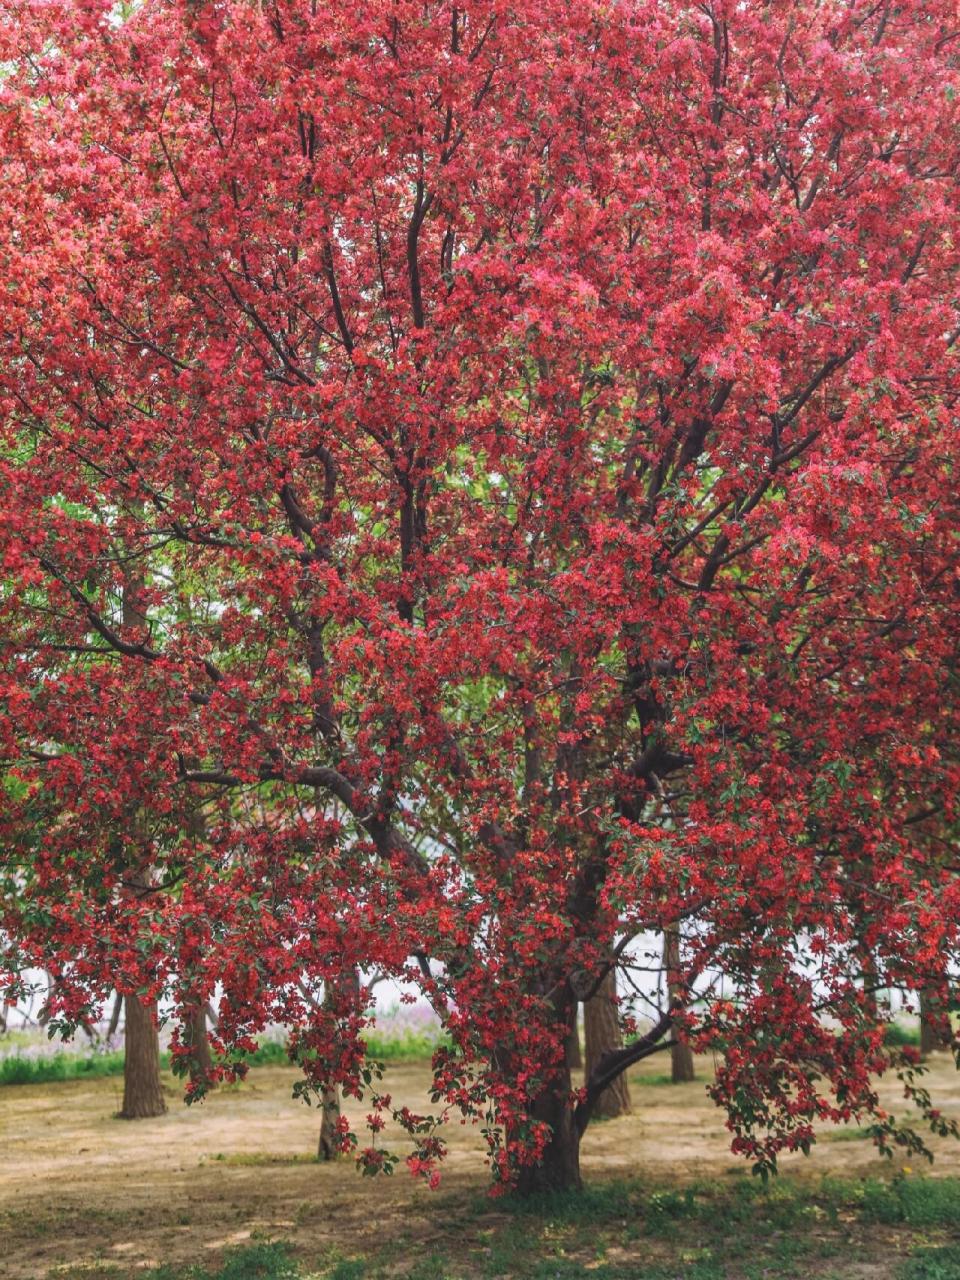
495,464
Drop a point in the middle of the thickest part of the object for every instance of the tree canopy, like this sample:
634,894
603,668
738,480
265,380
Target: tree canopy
478,492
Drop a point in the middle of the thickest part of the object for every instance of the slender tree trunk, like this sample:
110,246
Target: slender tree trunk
573,1054
559,1169
327,1148
603,1036
681,1055
931,1033
196,1038
115,1016
142,1089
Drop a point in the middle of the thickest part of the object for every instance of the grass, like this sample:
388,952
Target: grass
937,1263
18,1068
262,1261
919,1202
382,1045
626,1230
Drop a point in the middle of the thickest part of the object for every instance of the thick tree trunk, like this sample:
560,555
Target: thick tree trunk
931,1034
142,1089
681,1055
603,1036
559,1169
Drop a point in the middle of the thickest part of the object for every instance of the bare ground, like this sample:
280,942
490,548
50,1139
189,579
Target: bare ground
81,1190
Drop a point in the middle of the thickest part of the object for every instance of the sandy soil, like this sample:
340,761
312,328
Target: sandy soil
80,1188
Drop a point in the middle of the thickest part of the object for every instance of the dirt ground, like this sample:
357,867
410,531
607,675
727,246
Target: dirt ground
81,1189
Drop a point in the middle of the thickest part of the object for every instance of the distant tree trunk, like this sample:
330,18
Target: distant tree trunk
115,1016
574,1057
681,1055
45,1014
931,1017
142,1089
602,1033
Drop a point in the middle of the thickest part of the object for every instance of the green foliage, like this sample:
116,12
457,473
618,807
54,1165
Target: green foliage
401,1046
898,1034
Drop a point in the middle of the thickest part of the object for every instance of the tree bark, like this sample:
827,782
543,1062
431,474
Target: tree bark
559,1168
114,1022
931,1033
195,1035
573,1054
681,1055
142,1089
603,1036
327,1148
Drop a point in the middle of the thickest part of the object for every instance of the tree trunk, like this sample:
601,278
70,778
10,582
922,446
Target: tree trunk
559,1169
142,1090
328,1148
195,1035
931,1033
681,1063
603,1036
573,1055
681,1055
114,1022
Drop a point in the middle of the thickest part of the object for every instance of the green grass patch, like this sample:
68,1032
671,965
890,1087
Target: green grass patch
261,1261
18,1069
933,1263
654,1081
918,1202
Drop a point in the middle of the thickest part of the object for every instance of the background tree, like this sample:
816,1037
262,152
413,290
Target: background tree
523,418
601,1020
